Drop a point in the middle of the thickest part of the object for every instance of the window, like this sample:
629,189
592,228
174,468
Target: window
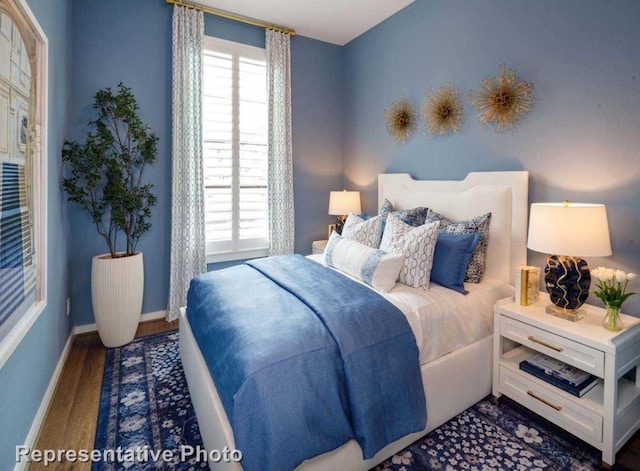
235,150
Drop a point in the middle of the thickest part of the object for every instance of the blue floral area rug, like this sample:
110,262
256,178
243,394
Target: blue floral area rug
145,406
145,409
496,437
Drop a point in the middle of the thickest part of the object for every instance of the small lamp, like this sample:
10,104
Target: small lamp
568,231
341,203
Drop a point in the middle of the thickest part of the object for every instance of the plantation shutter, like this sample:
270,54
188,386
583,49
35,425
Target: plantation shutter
235,148
17,258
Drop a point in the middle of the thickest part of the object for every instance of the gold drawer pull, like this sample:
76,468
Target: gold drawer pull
535,340
533,395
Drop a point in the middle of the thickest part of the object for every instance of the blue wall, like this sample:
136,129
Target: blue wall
25,376
580,142
127,41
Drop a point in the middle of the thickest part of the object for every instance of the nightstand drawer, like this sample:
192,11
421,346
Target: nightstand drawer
586,358
564,412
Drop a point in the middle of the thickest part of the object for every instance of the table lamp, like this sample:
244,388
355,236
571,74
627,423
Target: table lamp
566,232
341,203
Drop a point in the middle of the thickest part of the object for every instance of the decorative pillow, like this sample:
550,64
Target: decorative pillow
367,232
416,244
414,217
451,258
375,267
479,224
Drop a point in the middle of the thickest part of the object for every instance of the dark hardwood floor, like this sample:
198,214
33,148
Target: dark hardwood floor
73,413
628,458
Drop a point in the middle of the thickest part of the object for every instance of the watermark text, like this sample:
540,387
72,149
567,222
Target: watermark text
25,454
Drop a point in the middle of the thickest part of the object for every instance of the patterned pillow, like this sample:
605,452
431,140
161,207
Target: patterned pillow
479,224
414,217
367,232
417,244
375,267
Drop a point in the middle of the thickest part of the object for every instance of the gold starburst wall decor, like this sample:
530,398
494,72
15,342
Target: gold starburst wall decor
401,120
442,111
502,99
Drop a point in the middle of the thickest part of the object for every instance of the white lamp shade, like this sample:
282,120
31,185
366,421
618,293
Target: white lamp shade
344,202
577,230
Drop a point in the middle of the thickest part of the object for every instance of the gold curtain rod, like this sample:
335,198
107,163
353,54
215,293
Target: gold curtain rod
233,16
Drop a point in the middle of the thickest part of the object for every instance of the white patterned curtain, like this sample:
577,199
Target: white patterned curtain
188,244
281,211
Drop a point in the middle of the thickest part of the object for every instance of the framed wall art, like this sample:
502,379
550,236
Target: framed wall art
23,172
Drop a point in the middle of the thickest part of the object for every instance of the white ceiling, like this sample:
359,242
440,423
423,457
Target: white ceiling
334,21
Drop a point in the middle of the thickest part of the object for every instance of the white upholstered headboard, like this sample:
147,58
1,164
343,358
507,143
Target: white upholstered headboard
504,194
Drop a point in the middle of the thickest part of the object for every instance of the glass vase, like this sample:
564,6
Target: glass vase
612,319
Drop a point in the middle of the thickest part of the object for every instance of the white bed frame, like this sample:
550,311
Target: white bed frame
505,194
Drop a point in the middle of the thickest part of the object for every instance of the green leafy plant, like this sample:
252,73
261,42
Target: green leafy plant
107,170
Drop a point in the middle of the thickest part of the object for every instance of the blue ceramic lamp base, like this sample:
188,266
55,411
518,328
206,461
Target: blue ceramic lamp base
567,280
340,220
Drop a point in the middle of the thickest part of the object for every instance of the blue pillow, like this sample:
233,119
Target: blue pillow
451,258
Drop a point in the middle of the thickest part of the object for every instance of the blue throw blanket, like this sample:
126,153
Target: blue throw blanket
305,359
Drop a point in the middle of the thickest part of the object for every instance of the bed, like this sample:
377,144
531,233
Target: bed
505,195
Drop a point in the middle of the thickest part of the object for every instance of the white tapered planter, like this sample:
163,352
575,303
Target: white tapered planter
117,286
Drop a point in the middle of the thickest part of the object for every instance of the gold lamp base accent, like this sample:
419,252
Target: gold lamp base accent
572,315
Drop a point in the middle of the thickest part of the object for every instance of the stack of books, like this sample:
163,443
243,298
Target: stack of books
555,372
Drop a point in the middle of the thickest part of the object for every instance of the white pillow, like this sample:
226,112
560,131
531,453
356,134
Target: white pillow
365,231
416,244
375,267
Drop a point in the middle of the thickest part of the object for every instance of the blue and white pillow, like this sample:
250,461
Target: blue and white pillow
375,267
367,232
416,244
479,224
414,217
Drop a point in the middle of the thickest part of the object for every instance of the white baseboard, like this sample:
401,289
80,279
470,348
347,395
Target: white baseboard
38,420
88,328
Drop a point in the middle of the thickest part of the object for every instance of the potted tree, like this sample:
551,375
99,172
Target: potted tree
107,180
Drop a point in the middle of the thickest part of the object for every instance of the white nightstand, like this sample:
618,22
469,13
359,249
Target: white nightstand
318,246
606,416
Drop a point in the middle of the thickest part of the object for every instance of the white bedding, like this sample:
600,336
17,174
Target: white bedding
443,320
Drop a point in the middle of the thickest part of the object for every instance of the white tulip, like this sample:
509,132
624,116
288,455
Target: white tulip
631,276
599,273
603,274
621,276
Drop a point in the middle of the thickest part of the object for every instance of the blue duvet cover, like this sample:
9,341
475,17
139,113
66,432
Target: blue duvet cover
305,359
